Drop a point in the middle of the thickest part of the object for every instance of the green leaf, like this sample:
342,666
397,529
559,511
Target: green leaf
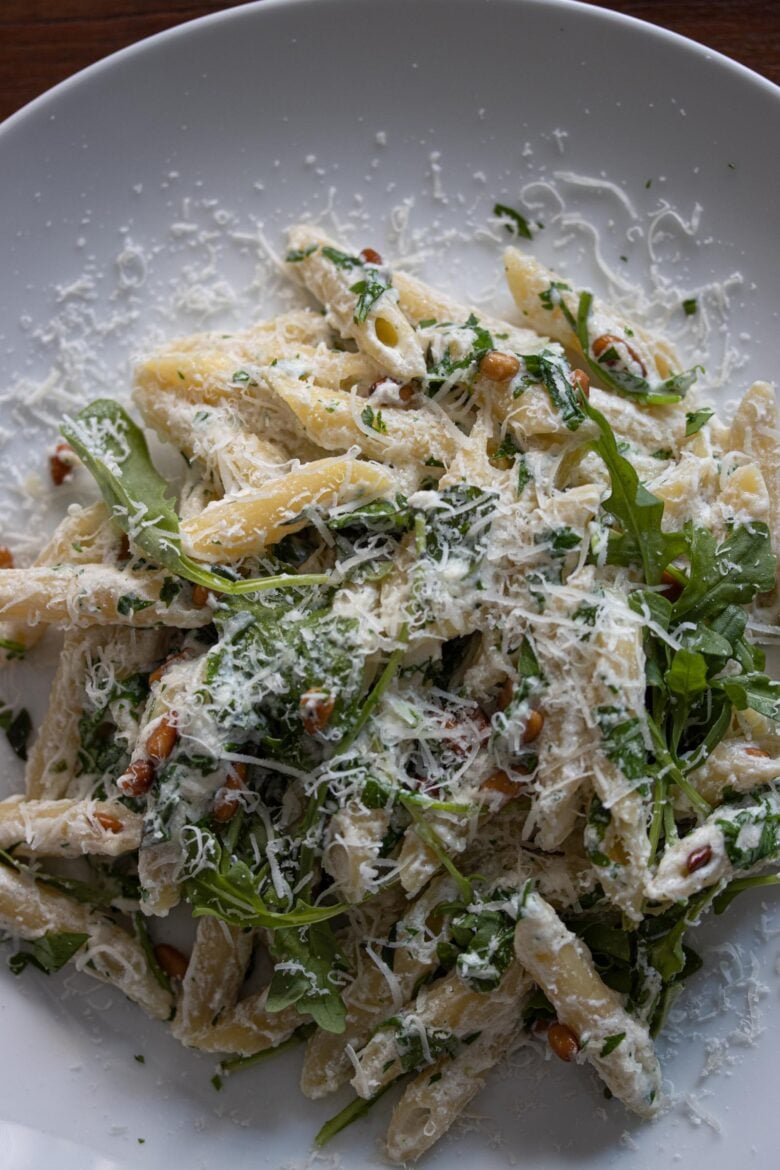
341,259
12,649
369,291
690,305
299,1036
695,420
228,889
751,832
611,1043
757,691
18,728
516,223
307,967
552,371
624,741
48,953
739,885
296,255
687,676
373,420
377,516
637,510
114,450
666,952
727,574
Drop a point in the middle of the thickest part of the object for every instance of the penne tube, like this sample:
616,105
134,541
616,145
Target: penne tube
30,910
614,1042
247,523
68,828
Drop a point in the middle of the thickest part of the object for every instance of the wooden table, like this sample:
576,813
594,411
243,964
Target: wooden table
44,41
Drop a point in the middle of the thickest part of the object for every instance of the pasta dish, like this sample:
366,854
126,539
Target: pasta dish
432,694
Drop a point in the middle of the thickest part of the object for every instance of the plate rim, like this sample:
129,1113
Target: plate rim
594,12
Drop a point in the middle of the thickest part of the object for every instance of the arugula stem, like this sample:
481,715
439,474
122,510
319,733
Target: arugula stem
659,802
729,892
380,686
672,768
240,1062
431,838
357,1108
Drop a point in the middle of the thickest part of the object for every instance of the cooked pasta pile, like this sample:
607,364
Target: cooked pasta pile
437,685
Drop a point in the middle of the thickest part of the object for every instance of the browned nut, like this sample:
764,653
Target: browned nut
533,726
498,366
200,595
503,783
123,551
369,256
60,466
758,753
226,801
505,694
172,961
563,1041
580,381
157,674
138,778
698,859
671,586
316,707
162,739
608,341
6,558
109,822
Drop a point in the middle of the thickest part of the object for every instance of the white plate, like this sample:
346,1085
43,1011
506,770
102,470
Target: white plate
135,201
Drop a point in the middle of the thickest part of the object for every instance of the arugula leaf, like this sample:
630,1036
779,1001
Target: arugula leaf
377,516
751,832
48,953
687,676
484,936
442,371
12,649
373,420
624,741
341,259
727,574
17,727
552,371
307,963
369,291
611,1043
754,690
690,305
114,450
516,224
296,255
695,420
228,889
637,510
666,952
727,895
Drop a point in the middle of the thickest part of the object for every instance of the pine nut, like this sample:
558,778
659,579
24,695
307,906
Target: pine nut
533,726
316,707
109,822
162,739
172,961
563,1041
138,778
498,366
369,256
608,341
6,558
698,859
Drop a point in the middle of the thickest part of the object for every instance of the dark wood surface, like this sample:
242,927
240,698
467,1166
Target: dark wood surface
44,41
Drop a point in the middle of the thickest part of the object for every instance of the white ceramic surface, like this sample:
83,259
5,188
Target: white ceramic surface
135,202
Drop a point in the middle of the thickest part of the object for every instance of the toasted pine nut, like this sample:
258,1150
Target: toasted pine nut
200,595
606,341
162,739
172,961
369,256
60,466
759,753
6,558
226,802
580,381
533,726
672,587
109,822
159,671
316,707
501,782
498,366
505,694
138,778
698,859
563,1041
123,552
